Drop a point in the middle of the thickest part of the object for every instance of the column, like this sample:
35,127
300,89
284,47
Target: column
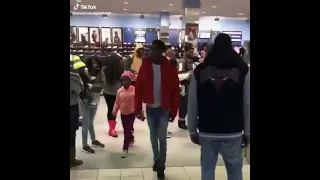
191,16
164,27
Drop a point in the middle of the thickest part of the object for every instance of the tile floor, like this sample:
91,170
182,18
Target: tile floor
172,173
140,155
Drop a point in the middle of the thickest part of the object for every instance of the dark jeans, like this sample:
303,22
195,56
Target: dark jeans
110,100
158,120
183,105
127,124
230,150
74,124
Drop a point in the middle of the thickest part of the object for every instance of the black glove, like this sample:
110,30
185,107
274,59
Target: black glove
195,138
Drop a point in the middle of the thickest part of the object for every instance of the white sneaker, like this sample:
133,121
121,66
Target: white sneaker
124,154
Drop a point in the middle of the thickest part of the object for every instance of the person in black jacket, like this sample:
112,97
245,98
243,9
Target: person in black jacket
218,108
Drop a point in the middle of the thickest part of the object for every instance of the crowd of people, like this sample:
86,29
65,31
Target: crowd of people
214,94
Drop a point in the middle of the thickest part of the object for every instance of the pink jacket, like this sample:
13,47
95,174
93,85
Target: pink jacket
124,101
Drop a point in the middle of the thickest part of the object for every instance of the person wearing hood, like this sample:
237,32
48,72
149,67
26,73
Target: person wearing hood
89,102
76,86
133,62
219,108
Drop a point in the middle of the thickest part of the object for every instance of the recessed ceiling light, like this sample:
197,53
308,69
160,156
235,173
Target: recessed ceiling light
170,4
240,14
125,3
203,12
164,10
125,9
214,6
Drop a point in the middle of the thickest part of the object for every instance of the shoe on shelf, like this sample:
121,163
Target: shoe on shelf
155,165
132,142
160,174
124,154
97,143
88,149
182,125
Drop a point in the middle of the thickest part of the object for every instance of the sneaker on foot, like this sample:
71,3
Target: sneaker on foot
97,143
124,154
88,149
75,163
182,125
155,165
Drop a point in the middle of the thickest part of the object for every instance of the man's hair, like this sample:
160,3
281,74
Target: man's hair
160,44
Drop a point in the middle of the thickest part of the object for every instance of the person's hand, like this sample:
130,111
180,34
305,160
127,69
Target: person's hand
195,138
89,86
171,119
140,116
114,114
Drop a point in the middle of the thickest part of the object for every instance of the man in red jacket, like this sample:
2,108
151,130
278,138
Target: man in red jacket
157,85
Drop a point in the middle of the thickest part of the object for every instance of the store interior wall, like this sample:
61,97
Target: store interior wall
205,23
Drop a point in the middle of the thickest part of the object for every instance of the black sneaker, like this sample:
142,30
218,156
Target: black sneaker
88,149
160,174
155,165
96,143
182,125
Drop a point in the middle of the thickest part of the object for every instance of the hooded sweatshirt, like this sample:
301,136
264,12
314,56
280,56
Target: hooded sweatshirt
133,62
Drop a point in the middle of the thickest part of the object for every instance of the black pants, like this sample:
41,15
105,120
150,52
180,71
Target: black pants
110,100
74,124
183,108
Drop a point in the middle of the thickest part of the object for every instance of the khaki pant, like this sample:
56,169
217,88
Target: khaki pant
248,154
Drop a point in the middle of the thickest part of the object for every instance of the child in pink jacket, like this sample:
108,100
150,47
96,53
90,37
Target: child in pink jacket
125,103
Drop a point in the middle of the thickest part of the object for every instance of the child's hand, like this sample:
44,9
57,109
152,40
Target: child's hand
114,114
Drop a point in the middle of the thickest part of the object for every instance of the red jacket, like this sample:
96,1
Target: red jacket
170,90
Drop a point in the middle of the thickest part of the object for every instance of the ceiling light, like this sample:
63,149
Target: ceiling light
170,4
203,12
125,3
214,6
164,10
125,9
240,14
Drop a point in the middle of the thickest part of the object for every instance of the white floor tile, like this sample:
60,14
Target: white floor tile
149,174
131,172
132,178
110,178
176,173
103,173
194,173
84,174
